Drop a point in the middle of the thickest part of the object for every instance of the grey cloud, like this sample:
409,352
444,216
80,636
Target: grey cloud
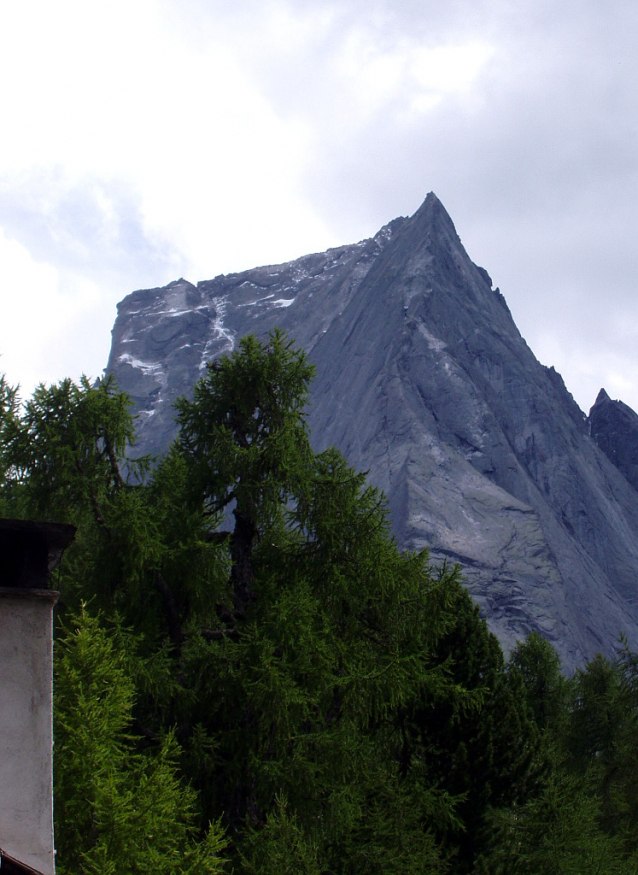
540,174
538,168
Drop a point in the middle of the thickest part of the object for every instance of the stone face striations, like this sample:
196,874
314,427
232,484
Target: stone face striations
424,381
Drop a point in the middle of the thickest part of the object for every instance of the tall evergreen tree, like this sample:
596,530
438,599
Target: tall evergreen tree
328,634
538,665
601,739
337,704
556,832
118,808
484,749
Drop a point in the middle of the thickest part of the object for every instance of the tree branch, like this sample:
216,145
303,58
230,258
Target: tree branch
219,634
115,468
171,612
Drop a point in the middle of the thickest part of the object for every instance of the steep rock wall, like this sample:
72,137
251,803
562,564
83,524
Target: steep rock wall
424,380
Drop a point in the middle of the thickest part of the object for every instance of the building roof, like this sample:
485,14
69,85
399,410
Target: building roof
30,550
10,866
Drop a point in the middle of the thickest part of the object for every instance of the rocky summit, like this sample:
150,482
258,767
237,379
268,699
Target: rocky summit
424,381
614,427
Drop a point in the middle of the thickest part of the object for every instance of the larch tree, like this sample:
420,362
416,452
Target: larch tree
328,699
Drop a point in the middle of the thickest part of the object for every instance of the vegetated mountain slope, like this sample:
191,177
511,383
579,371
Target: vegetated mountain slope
424,380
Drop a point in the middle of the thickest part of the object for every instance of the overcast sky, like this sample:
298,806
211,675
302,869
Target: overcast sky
144,140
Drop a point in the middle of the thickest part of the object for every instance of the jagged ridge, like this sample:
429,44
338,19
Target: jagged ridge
424,380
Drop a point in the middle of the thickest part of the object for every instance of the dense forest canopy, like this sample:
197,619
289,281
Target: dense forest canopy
251,677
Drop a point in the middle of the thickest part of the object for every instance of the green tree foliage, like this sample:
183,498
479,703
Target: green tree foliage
627,664
118,808
328,633
484,750
334,705
62,453
67,456
601,741
245,441
276,655
582,819
538,665
280,847
9,409
556,832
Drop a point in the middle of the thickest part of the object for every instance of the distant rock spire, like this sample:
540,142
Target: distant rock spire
601,397
614,427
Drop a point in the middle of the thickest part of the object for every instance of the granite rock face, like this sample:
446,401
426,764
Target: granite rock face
614,427
424,381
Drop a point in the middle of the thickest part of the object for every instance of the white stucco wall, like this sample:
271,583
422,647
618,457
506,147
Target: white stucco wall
26,755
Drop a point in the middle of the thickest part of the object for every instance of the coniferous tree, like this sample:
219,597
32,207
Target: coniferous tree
556,832
328,633
576,820
485,750
279,652
601,739
538,665
337,705
118,808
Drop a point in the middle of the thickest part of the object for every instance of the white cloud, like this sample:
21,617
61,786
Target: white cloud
451,68
132,157
589,368
40,309
405,73
147,140
111,91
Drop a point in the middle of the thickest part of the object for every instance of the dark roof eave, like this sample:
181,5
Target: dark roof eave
11,866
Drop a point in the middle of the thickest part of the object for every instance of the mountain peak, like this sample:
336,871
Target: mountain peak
423,381
601,397
432,212
614,427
